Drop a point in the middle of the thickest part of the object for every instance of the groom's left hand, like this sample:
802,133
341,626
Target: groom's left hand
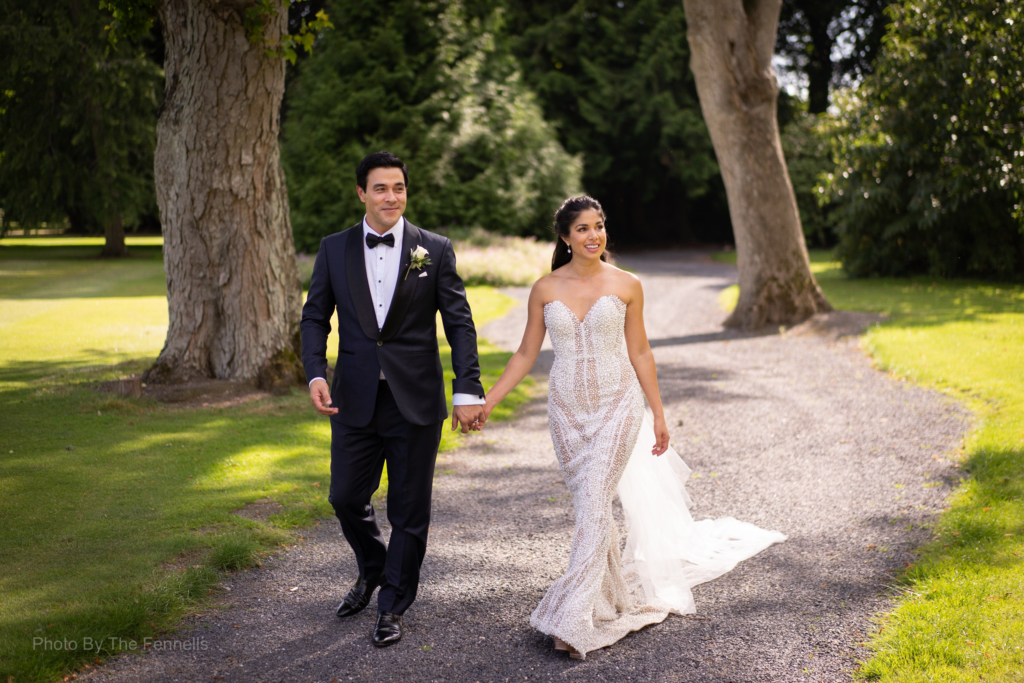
469,417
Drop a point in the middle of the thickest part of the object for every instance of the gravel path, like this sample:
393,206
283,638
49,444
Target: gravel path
793,433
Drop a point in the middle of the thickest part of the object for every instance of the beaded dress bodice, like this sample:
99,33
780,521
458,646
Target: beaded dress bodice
600,332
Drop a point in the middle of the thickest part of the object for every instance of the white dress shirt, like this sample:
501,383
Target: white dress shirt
382,265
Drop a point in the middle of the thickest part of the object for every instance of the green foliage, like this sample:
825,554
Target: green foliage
929,147
808,152
433,84
614,77
131,19
258,16
77,118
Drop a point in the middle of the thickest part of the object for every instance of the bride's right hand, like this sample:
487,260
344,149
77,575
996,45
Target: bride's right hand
661,436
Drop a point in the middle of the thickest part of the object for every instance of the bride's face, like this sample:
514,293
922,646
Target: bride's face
587,238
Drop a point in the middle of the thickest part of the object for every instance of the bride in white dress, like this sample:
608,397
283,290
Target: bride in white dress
605,443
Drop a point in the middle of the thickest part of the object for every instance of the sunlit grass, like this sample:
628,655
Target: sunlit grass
961,617
130,241
118,513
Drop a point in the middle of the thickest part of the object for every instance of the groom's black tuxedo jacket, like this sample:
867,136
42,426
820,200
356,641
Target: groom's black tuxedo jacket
406,347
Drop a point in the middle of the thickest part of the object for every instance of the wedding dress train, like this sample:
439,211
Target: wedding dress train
603,438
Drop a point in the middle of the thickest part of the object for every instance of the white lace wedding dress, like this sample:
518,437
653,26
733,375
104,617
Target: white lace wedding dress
603,438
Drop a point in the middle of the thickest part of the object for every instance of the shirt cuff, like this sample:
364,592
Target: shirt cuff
315,379
468,400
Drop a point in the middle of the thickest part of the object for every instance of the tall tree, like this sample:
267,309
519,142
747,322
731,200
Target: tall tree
612,76
77,119
731,44
234,295
809,30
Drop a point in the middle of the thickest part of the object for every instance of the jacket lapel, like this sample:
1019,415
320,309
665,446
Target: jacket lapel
406,286
358,287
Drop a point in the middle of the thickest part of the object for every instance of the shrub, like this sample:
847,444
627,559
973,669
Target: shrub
929,149
808,151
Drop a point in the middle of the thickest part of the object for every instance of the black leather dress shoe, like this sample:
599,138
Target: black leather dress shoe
388,630
359,597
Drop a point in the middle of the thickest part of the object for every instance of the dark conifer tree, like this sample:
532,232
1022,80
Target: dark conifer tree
614,77
77,120
434,83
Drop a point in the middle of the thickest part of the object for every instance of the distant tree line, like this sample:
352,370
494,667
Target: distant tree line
503,111
904,155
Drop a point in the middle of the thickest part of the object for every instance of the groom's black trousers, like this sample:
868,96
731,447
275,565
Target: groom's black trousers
358,455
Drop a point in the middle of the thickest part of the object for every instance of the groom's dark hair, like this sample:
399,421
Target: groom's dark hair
379,160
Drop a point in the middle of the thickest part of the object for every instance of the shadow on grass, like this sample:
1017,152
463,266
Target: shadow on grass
88,361
86,278
88,477
100,492
911,301
965,537
919,302
47,251
962,596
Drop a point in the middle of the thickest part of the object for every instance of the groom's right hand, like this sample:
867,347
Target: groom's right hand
320,397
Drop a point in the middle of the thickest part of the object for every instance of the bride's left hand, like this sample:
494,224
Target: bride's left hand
660,436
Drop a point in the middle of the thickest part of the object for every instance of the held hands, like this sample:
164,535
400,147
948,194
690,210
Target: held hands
320,397
472,418
660,436
469,417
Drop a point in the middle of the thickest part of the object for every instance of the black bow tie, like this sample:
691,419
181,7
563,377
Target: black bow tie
373,240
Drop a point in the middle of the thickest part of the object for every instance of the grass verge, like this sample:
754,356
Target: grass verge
960,614
119,514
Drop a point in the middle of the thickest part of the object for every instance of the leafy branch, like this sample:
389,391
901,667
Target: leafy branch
259,16
133,19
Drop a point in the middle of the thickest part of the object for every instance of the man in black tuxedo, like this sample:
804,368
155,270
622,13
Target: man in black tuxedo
387,279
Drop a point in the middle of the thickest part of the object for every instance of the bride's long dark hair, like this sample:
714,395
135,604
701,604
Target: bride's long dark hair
567,213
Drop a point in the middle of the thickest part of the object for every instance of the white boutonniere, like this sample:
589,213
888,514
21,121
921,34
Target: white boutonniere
419,258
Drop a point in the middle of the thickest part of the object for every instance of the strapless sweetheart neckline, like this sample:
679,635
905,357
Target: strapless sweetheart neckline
589,311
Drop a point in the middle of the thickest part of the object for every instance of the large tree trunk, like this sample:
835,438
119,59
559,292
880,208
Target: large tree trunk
233,289
113,244
731,44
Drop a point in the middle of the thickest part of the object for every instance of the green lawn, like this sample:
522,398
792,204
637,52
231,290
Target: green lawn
960,616
117,514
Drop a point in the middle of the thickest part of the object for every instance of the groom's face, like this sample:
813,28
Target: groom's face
384,197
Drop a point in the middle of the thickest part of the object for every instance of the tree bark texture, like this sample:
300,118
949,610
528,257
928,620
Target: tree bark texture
234,295
731,44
